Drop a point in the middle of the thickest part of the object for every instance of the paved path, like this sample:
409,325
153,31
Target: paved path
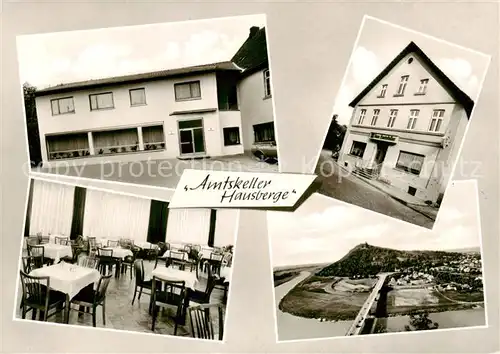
359,321
336,183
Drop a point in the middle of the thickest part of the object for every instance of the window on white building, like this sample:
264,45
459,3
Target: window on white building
231,136
62,106
436,120
358,148
137,97
422,89
267,83
392,118
264,133
383,90
153,137
413,118
402,85
101,101
362,115
187,91
66,146
376,113
410,162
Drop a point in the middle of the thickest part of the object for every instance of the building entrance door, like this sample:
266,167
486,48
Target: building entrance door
380,154
191,137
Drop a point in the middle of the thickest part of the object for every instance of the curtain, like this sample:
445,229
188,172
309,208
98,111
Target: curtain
225,227
188,226
410,162
153,134
28,209
69,142
115,138
78,212
115,216
158,217
211,232
51,208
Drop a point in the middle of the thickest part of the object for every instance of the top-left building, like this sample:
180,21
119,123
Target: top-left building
184,113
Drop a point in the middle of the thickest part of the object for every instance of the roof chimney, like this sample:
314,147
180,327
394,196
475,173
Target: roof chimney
253,31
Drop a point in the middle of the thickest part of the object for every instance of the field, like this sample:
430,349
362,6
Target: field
329,298
403,301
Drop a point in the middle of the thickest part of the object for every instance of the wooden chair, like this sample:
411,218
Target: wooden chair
32,241
140,283
180,259
168,294
88,298
88,262
106,260
128,264
214,262
202,326
37,296
92,241
61,240
113,244
203,297
37,252
44,239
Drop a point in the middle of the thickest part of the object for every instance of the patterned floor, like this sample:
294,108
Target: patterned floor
122,315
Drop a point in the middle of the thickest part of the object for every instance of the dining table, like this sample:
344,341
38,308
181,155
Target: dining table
56,252
68,279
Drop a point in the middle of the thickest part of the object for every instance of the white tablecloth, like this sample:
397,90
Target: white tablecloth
68,278
226,272
172,274
119,252
56,252
143,244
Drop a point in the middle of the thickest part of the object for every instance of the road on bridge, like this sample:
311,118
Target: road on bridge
359,321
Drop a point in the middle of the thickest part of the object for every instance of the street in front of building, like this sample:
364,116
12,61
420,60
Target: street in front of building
346,187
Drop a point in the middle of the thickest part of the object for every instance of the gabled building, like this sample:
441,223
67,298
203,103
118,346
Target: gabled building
184,113
255,92
407,126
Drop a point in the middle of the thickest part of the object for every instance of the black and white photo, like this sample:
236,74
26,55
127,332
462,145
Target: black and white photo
335,276
399,121
91,257
108,104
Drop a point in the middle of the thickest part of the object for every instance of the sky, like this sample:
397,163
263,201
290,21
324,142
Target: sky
62,57
323,230
379,43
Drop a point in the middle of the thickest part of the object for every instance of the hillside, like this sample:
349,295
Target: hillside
365,260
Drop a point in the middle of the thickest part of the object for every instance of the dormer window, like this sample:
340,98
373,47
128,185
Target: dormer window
383,90
402,85
422,89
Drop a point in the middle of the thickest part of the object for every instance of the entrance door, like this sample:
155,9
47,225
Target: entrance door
380,154
191,137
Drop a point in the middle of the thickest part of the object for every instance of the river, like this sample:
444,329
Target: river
292,327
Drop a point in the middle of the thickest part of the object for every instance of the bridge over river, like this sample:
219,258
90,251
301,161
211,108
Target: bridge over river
363,314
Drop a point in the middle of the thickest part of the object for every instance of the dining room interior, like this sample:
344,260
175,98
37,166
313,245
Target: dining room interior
97,258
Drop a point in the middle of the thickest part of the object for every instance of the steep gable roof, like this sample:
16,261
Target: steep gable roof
252,55
454,90
135,78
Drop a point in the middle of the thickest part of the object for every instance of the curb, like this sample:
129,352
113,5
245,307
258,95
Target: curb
409,205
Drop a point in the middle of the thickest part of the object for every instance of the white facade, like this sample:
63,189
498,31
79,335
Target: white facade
256,107
162,118
407,137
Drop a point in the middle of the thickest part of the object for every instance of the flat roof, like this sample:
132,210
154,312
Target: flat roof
149,76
